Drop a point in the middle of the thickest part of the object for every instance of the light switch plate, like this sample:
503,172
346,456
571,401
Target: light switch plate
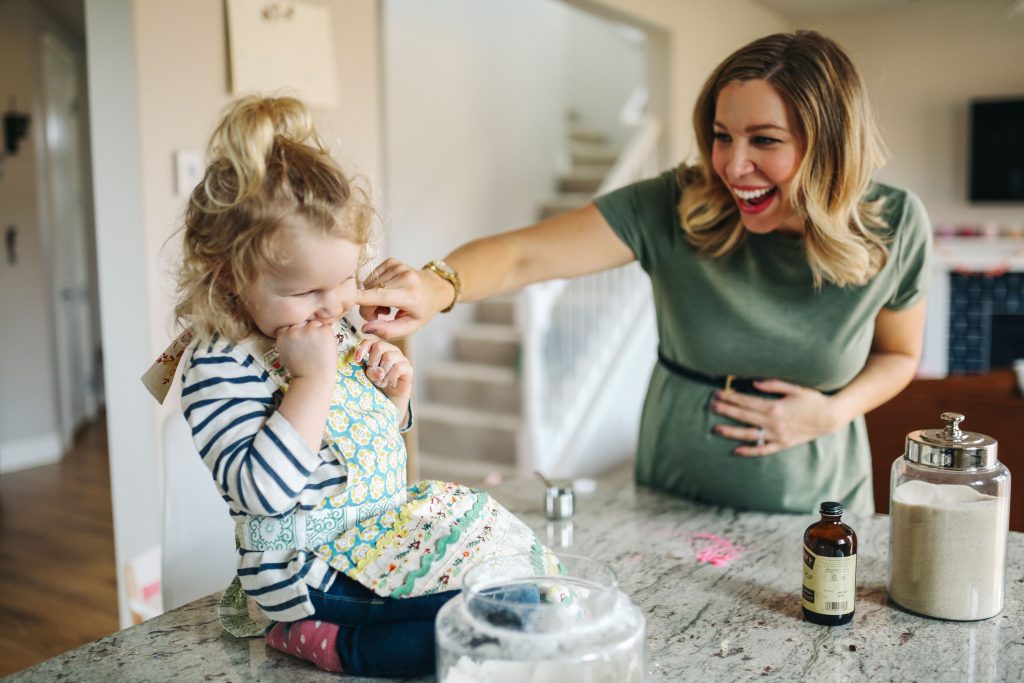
188,171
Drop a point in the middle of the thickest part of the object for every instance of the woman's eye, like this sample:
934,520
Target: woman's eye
722,137
309,293
765,141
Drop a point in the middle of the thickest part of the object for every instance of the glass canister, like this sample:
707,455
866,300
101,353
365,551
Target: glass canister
516,622
949,513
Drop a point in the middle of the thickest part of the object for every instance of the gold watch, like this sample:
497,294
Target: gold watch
446,272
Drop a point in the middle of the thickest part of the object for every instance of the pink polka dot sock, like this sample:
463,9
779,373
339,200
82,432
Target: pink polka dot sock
309,639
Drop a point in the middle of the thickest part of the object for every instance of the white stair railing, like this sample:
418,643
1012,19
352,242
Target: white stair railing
572,330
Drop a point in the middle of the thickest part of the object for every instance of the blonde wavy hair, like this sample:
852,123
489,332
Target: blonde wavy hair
826,96
268,174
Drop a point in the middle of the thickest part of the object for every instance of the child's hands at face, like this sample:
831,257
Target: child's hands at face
386,366
308,349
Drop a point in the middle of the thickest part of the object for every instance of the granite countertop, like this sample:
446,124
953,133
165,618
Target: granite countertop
737,621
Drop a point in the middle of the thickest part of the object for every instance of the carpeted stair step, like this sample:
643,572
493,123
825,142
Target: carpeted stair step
477,435
475,386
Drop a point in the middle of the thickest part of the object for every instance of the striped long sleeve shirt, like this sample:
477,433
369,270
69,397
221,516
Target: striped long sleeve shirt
260,465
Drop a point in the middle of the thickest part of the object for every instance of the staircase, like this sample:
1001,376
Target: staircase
591,156
470,423
471,426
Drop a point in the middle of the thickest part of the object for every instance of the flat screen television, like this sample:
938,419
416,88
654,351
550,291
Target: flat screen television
997,150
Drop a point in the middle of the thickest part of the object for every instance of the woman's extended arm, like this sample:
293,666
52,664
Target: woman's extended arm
804,414
573,243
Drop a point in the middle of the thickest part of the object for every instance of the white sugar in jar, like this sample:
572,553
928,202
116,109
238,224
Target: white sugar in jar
949,517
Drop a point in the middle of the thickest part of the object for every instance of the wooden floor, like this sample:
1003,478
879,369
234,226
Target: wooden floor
57,576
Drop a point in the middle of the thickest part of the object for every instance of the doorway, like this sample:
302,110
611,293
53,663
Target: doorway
70,240
54,471
49,382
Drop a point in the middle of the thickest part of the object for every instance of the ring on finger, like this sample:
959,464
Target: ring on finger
760,436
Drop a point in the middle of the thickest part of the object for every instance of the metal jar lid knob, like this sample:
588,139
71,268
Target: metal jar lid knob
951,448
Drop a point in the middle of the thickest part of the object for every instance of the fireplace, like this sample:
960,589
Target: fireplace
975,317
986,322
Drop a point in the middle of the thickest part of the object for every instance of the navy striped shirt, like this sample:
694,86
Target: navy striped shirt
260,465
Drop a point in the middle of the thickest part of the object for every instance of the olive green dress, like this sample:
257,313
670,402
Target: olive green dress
756,313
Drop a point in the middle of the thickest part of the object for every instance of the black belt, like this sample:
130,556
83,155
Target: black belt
727,382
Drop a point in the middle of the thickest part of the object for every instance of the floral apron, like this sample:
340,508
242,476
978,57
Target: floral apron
399,541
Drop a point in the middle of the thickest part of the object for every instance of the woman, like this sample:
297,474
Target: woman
775,257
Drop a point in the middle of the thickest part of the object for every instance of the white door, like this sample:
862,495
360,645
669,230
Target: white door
68,242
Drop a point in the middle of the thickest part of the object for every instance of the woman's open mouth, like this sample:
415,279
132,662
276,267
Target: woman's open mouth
755,200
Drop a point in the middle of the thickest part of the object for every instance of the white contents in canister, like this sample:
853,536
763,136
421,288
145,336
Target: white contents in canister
948,550
497,671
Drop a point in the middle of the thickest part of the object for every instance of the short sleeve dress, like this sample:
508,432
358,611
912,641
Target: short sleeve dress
756,313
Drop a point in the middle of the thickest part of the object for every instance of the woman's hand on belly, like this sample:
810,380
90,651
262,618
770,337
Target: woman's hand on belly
769,425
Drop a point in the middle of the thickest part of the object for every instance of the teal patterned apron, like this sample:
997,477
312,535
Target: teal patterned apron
396,541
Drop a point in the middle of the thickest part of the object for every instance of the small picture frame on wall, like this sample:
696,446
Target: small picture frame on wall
286,44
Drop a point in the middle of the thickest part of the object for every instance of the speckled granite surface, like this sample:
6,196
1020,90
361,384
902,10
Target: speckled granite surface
736,622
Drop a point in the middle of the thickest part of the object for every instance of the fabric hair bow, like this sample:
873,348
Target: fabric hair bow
160,374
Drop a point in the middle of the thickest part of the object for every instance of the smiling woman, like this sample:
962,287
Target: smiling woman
757,153
788,286
786,126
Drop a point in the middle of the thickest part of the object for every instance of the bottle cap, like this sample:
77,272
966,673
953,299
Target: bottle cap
831,509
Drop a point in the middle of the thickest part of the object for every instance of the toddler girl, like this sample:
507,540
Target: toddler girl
298,420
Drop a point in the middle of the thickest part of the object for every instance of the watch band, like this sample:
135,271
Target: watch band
446,272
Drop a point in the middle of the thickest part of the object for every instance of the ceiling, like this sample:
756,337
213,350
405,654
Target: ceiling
797,10
71,13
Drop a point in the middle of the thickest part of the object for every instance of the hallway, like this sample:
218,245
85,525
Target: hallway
57,571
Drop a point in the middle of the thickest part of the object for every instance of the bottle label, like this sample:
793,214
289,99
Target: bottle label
830,583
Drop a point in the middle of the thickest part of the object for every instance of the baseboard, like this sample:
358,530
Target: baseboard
33,451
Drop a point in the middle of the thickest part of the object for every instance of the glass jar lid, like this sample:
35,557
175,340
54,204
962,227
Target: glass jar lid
950,447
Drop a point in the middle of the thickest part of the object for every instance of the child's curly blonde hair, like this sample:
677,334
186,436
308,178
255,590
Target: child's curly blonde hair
268,172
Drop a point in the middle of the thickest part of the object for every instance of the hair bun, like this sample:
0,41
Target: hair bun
249,130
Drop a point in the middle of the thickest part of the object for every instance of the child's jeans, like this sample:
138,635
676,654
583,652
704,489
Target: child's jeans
380,636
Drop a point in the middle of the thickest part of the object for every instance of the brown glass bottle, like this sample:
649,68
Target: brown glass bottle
830,569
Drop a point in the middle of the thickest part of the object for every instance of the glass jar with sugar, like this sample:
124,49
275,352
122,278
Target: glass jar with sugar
519,619
948,521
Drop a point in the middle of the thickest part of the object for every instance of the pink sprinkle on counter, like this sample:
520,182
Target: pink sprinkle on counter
715,550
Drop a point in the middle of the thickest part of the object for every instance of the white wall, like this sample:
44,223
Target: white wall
923,62
181,94
124,301
29,419
158,83
701,34
607,61
475,97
